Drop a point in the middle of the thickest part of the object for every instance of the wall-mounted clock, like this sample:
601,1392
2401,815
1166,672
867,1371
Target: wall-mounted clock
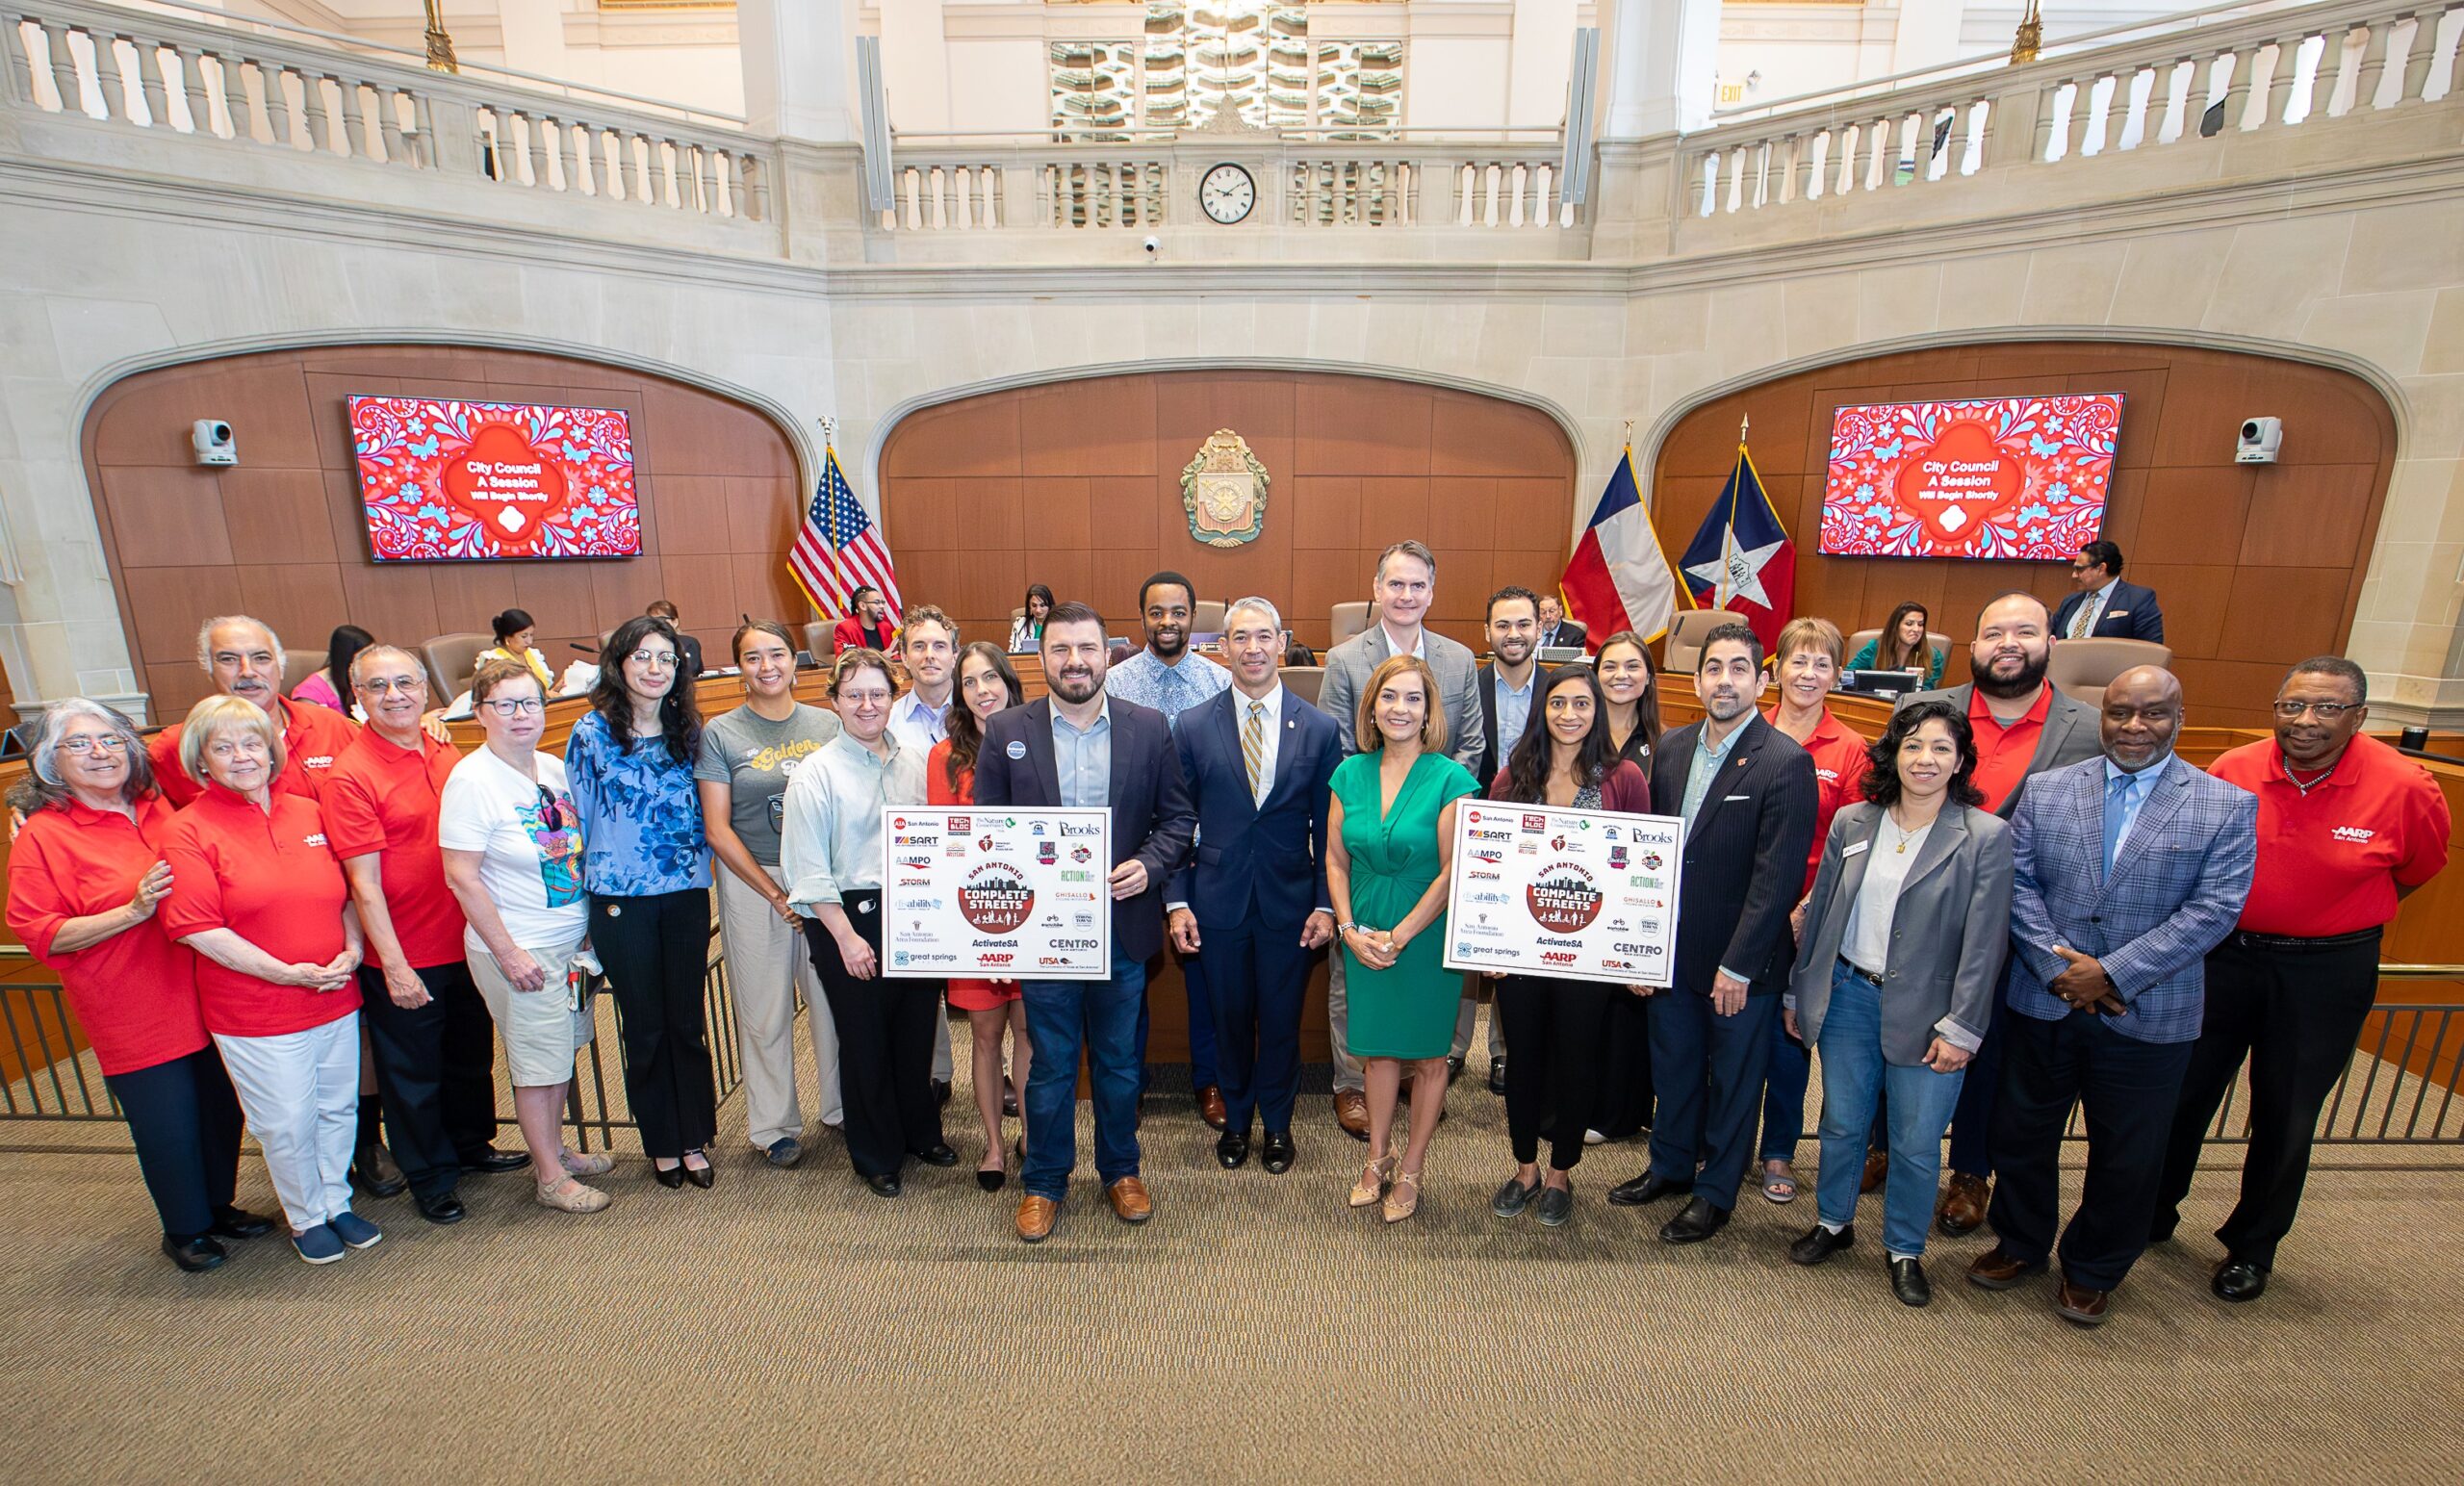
1227,194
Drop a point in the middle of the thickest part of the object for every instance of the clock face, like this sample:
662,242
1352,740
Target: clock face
1227,194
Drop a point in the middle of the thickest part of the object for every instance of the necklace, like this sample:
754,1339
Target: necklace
1905,835
2302,785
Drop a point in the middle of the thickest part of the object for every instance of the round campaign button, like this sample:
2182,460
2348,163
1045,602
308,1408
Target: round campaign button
1017,750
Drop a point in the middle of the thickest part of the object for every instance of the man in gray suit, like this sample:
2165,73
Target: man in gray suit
2024,726
1399,596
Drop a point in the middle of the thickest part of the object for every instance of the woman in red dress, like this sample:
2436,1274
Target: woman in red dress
985,685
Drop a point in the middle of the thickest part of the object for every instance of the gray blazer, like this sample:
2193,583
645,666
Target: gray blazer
1351,664
1948,937
2069,733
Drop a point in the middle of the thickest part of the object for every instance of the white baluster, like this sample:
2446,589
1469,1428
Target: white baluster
106,76
2245,70
1845,143
192,90
706,170
277,102
2423,52
14,57
2373,65
756,174
2100,124
321,124
149,80
64,69
389,126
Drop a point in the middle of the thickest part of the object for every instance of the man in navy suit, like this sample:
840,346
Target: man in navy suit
2126,870
2102,606
1247,911
1080,747
1746,793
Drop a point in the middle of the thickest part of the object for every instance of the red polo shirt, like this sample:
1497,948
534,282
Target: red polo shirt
268,877
2003,754
1838,779
135,993
313,738
2330,861
384,799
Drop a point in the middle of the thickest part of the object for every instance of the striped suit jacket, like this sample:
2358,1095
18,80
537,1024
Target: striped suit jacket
2172,896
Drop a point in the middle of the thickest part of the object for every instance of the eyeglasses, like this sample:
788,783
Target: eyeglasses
387,685
646,657
108,743
2328,712
515,706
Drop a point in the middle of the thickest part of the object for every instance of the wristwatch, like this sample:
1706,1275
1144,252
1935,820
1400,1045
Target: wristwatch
1344,928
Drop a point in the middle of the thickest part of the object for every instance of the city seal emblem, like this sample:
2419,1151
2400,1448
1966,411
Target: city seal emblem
1224,490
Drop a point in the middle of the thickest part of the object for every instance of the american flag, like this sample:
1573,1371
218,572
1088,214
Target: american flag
837,551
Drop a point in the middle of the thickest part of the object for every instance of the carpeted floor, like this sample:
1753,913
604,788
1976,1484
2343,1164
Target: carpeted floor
790,1325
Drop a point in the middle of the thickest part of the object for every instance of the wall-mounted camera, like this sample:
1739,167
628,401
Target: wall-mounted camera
2260,438
1154,245
211,438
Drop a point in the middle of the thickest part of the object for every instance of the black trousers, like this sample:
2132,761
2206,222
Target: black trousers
885,1030
1553,1029
436,1072
2126,1089
2294,1014
654,948
1624,1105
1256,976
186,1123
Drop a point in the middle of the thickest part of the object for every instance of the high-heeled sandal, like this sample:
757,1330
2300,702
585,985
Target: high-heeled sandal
1371,1184
1397,1207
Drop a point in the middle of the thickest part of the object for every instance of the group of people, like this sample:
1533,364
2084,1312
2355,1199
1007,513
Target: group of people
2009,903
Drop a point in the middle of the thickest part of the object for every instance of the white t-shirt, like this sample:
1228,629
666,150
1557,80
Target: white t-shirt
1866,944
531,837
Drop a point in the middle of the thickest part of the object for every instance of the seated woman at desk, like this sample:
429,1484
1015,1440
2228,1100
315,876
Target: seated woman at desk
1902,646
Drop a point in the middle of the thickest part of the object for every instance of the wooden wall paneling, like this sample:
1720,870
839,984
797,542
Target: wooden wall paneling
2256,566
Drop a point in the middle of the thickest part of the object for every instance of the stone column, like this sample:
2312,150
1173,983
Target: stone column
799,68
1662,66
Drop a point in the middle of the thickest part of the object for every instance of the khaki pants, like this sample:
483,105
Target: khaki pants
766,963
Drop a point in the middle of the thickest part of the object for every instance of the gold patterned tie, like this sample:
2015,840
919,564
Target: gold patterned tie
2086,616
1254,744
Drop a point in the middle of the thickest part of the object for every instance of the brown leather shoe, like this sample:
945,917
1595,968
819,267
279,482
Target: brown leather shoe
2080,1306
1962,1204
1129,1199
1351,1111
1036,1215
1210,1106
1998,1269
1877,1168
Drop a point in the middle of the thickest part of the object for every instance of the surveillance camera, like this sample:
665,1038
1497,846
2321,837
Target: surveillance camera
2260,440
1154,245
211,439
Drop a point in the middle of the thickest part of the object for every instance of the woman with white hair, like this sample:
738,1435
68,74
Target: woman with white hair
84,877
259,895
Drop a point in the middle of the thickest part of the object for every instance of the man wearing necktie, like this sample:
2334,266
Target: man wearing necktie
1249,910
2101,606
2107,984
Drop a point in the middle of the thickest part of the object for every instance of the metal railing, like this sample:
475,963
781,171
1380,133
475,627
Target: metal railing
61,1085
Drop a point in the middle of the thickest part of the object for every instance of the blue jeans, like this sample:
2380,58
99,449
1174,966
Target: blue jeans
1854,1076
1784,1094
1100,1017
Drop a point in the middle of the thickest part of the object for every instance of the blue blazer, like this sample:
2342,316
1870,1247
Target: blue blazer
1734,894
1269,862
2173,895
2131,614
1150,801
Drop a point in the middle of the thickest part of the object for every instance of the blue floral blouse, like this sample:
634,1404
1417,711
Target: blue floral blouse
641,814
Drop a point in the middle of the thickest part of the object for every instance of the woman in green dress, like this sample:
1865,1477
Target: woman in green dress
1389,837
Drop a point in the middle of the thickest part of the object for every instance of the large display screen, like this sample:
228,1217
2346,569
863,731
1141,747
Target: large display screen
444,480
2017,478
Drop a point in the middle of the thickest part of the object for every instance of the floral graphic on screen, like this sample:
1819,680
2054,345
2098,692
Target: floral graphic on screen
442,479
2024,478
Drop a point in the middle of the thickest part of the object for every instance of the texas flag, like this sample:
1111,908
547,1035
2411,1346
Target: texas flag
1618,577
1742,560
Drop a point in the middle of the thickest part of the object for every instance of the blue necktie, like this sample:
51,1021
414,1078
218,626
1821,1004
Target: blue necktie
2116,815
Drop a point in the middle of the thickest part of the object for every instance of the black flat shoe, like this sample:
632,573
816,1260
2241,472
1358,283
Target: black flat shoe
1512,1199
1278,1153
375,1174
1908,1283
1820,1243
1555,1205
992,1181
1231,1151
1645,1189
1698,1222
488,1161
1009,1100
1454,1069
1496,1077
443,1209
2239,1280
233,1222
940,1092
669,1177
938,1155
705,1176
885,1185
196,1255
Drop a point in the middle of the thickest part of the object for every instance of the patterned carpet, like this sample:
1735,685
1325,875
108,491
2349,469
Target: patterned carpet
792,1326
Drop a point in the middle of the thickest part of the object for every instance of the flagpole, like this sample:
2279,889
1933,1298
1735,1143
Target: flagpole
830,502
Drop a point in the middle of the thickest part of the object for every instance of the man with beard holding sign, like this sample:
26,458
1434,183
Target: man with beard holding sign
2024,726
1746,793
1078,748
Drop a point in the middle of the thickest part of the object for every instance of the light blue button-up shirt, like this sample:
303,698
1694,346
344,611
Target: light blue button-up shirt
1083,761
1169,689
1708,756
1514,713
2143,783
